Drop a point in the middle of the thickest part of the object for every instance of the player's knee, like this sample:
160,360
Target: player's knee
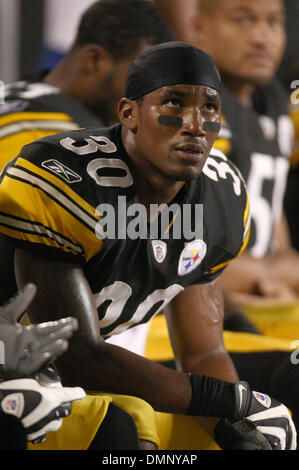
117,431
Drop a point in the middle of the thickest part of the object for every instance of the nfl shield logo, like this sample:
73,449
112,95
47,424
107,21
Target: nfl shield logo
13,404
159,250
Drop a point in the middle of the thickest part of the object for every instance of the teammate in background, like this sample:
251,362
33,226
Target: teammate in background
159,153
256,135
83,90
29,408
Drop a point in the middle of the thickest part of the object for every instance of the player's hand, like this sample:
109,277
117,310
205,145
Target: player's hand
25,349
260,420
48,377
39,408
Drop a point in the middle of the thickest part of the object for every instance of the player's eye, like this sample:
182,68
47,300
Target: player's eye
211,107
173,102
243,20
276,21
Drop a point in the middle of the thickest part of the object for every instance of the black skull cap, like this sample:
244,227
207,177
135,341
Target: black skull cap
170,63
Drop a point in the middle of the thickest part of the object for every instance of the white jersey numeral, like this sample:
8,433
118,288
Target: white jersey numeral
120,181
264,212
93,144
104,144
119,292
215,170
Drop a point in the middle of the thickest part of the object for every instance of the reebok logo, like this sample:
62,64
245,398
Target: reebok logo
61,170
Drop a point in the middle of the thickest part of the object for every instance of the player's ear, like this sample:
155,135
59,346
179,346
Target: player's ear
97,60
128,113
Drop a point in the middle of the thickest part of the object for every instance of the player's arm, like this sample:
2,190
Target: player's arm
267,279
90,361
96,365
195,322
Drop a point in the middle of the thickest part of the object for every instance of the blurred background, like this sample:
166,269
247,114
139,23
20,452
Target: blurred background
34,34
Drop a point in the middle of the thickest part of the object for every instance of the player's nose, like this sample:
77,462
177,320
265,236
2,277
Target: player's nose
193,123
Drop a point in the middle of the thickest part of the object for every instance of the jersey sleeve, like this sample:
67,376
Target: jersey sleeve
45,213
235,219
18,129
216,270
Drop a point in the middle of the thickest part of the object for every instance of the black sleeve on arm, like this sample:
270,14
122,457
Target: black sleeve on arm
211,397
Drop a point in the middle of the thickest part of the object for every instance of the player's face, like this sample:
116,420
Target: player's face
246,38
176,128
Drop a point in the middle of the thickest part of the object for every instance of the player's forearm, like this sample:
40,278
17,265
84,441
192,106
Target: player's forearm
284,268
244,274
216,364
114,369
247,274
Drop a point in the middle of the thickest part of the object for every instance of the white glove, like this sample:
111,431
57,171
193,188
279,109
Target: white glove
27,349
260,420
39,408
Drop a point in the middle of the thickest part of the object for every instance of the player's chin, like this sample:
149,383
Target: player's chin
186,174
259,75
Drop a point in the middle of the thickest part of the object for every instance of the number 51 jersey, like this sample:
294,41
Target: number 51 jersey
71,197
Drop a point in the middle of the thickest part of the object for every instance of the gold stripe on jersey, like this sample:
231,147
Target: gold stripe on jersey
246,224
20,225
19,129
58,126
223,141
222,144
58,183
36,211
33,116
246,216
11,145
18,122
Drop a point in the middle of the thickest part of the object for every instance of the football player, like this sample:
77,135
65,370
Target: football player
112,275
256,135
83,90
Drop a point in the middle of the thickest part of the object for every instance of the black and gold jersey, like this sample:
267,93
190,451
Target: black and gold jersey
258,139
32,110
72,197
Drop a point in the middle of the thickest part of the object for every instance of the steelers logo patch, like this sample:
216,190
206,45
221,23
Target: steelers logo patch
191,256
